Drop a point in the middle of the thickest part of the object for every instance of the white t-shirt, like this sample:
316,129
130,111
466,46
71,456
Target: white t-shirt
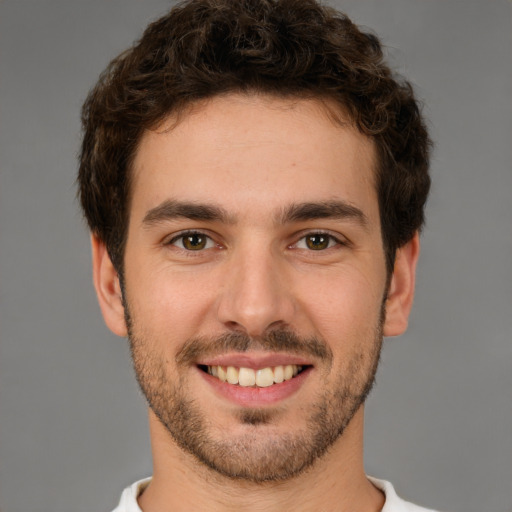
128,502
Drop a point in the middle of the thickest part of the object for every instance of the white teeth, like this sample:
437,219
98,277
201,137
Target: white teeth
221,373
264,377
246,377
288,372
232,375
278,374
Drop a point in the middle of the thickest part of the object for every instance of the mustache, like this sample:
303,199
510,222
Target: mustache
274,341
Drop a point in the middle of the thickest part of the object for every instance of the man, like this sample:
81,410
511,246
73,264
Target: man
254,179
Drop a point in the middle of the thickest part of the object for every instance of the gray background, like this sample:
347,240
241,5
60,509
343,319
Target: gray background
439,423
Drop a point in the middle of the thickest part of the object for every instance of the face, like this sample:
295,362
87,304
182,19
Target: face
254,282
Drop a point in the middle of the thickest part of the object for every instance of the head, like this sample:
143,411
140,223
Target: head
289,49
256,177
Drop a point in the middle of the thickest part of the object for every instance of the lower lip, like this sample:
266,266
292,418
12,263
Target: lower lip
255,396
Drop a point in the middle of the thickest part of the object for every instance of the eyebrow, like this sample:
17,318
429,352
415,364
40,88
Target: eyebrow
323,210
172,209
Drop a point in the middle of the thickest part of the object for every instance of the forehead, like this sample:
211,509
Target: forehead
243,150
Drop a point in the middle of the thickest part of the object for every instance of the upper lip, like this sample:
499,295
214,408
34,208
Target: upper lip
254,360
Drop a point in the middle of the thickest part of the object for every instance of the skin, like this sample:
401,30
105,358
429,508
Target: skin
254,157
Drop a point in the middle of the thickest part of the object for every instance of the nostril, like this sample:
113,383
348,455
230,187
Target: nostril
234,326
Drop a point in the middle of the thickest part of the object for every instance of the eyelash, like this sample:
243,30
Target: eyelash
325,238
183,236
332,241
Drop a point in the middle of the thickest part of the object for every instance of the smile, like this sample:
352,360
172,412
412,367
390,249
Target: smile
249,377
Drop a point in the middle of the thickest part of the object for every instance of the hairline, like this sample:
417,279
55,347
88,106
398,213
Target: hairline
333,108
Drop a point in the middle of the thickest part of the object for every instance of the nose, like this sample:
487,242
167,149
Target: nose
256,294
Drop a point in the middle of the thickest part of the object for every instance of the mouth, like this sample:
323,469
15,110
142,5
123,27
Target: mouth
257,378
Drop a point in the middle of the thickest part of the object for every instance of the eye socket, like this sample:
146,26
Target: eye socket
192,241
317,242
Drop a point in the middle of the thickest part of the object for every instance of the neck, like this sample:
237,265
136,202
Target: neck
336,481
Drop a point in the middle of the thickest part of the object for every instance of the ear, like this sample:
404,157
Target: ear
401,288
108,289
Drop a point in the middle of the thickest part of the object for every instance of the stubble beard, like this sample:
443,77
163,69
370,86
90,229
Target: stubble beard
258,455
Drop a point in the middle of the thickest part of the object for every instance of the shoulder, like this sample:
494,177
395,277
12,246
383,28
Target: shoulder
393,502
128,501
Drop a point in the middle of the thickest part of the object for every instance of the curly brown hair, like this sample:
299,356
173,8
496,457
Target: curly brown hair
287,48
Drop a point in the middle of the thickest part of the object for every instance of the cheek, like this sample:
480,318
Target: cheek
344,307
166,304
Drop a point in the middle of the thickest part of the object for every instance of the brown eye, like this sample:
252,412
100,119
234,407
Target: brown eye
192,241
317,242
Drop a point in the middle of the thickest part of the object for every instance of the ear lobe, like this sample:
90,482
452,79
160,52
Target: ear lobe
401,288
108,289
